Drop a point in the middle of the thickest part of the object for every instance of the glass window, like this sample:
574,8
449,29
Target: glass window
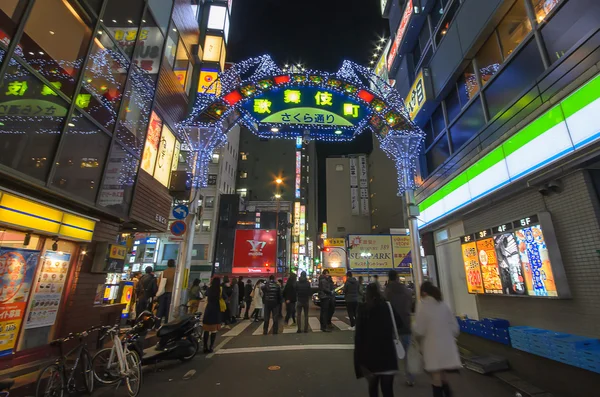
242,192
436,13
416,54
171,49
82,155
200,252
445,24
148,50
437,154
467,85
119,179
244,156
424,35
95,5
489,58
103,80
122,19
543,8
468,125
170,251
206,223
55,41
161,9
429,136
215,158
131,127
30,122
243,175
575,20
513,28
427,56
182,66
437,120
209,202
517,76
452,104
10,14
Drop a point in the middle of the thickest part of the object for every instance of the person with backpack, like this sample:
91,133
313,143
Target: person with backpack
247,297
146,290
195,295
272,294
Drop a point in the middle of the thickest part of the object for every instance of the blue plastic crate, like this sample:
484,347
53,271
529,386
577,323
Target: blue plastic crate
594,367
549,337
574,342
497,322
588,356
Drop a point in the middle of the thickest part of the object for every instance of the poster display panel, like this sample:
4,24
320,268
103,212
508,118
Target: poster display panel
489,266
402,255
533,252
471,263
509,264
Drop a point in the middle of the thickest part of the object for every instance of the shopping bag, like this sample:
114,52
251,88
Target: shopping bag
162,283
414,358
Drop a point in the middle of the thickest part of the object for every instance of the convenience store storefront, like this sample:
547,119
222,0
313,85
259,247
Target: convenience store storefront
40,248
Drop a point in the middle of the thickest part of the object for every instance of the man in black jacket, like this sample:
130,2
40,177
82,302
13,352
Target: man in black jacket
303,293
289,296
325,297
247,297
351,295
241,289
272,298
146,290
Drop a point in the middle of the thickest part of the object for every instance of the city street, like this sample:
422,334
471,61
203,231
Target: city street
313,364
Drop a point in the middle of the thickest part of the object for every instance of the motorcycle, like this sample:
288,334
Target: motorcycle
178,341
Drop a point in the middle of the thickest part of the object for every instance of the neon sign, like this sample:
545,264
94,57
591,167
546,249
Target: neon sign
408,11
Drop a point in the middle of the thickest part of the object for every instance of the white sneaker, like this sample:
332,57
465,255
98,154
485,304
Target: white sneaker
352,328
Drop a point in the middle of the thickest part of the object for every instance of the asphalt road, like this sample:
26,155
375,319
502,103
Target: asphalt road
314,364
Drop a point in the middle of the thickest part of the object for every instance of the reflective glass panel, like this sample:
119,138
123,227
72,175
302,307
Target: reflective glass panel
119,180
489,59
148,50
515,26
122,19
437,154
543,8
10,14
467,85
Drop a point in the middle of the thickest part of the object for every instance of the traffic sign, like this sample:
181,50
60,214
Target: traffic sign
181,211
178,228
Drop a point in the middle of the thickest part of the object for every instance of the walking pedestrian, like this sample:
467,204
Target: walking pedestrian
290,298
400,297
211,323
374,350
436,329
257,298
361,289
247,297
351,288
303,293
332,303
194,297
325,297
146,291
227,292
272,296
164,301
234,301
241,289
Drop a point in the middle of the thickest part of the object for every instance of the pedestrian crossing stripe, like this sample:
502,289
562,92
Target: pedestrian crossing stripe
315,324
257,328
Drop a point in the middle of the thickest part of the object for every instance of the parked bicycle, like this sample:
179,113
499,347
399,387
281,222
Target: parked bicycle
117,363
5,385
59,377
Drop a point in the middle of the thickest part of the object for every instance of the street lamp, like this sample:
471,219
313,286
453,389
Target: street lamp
278,181
367,255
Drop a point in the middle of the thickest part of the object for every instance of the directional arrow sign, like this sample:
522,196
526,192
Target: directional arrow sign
181,211
178,228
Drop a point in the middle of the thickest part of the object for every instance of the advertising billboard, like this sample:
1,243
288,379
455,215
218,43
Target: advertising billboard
207,84
164,161
408,11
255,251
151,145
387,252
212,48
471,263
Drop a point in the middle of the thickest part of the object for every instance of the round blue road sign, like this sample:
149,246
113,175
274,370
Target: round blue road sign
178,228
181,211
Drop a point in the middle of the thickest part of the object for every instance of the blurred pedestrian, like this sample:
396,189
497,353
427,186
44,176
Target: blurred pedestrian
211,323
325,297
241,299
303,292
374,350
164,300
400,298
289,296
436,329
351,288
361,289
332,303
272,292
134,298
247,297
194,297
257,298
234,301
146,291
226,295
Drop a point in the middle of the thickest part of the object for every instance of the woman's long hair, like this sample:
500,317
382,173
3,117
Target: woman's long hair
292,280
373,295
431,290
214,291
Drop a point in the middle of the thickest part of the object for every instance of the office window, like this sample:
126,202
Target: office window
513,28
123,25
170,251
10,15
467,85
79,167
489,59
575,20
429,136
206,224
437,120
209,202
172,41
244,156
453,104
200,252
242,192
119,179
437,154
445,24
543,8
468,125
215,158
30,133
55,41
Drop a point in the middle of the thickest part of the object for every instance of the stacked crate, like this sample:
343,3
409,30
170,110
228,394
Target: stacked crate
494,329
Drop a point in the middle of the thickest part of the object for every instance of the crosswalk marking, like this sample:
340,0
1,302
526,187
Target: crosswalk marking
238,329
290,330
314,323
340,324
259,330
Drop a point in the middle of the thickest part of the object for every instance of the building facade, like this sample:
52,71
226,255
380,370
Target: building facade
506,93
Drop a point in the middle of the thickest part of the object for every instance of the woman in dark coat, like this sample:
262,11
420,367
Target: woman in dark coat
212,314
374,349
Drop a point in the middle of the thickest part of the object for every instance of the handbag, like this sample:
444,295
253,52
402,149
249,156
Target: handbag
222,304
414,358
162,283
397,342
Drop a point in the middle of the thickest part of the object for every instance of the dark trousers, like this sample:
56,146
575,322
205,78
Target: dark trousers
385,381
256,313
290,312
141,305
300,307
247,308
274,310
164,304
331,310
351,307
324,317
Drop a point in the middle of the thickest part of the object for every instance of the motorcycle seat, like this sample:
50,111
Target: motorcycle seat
173,326
6,384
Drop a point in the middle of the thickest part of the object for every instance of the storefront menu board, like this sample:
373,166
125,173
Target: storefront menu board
518,258
17,268
48,290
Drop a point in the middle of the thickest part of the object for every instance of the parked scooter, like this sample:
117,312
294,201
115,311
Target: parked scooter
178,341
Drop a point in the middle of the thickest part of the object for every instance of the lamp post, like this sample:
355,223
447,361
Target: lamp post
367,255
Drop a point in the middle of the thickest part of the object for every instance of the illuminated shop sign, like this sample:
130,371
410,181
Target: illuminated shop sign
216,17
518,258
298,172
297,218
208,82
212,48
408,11
418,94
149,48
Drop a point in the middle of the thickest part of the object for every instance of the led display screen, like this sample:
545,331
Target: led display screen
216,17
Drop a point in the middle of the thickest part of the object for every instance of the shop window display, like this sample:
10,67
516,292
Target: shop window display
122,19
30,122
149,47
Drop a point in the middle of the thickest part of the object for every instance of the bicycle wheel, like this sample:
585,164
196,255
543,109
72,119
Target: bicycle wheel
105,372
133,379
87,371
50,382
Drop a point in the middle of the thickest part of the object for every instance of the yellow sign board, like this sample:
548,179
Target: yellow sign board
337,271
371,252
416,96
209,83
334,242
117,251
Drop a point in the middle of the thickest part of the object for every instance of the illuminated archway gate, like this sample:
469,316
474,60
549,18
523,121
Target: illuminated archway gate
316,105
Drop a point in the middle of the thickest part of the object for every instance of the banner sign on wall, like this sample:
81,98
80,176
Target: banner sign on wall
354,198
254,248
387,252
49,287
363,176
402,254
18,267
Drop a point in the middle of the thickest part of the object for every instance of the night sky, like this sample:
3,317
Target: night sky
319,34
